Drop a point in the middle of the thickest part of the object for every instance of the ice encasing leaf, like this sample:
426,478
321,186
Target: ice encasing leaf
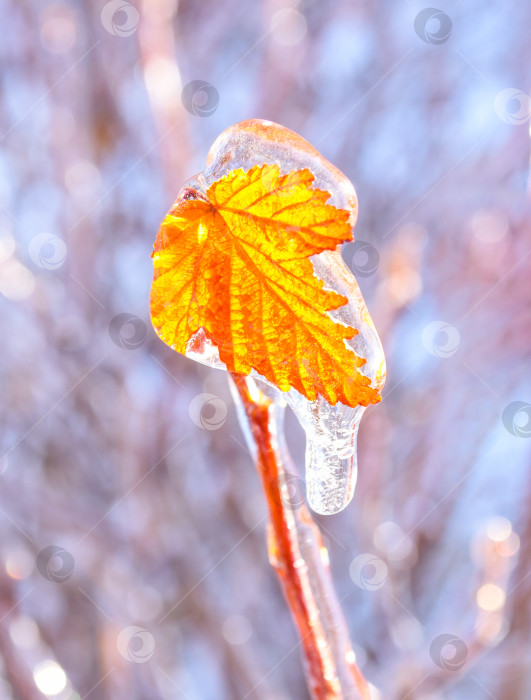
236,263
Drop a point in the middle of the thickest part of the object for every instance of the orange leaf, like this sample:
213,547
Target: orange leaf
236,265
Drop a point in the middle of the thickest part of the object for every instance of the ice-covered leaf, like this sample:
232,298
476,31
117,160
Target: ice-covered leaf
236,264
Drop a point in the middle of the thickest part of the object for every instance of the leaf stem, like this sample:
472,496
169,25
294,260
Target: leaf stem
298,555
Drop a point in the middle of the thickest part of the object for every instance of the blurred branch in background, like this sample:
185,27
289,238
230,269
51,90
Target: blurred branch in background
126,459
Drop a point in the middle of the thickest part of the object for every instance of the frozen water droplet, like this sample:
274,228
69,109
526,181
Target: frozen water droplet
331,452
331,431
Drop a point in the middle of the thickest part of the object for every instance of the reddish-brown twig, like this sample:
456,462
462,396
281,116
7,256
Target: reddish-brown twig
297,553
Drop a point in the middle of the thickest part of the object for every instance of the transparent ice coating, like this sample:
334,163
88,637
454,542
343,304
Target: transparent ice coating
331,431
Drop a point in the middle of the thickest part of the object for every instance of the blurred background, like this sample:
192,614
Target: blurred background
133,558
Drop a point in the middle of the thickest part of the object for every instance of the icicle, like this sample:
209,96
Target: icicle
331,431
